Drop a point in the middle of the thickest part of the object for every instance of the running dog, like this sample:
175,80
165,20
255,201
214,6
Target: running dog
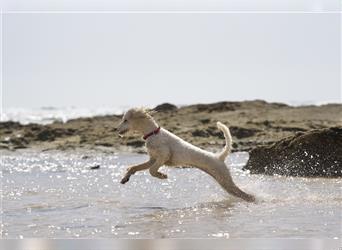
165,148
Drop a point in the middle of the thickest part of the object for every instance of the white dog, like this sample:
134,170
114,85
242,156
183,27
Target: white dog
165,148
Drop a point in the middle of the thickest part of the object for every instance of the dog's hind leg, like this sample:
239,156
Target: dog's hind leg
236,191
227,184
223,177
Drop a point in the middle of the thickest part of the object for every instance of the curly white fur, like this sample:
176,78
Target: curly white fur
165,148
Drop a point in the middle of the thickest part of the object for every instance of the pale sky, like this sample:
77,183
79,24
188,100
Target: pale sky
129,59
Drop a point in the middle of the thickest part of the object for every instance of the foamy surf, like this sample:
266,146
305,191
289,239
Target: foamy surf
47,115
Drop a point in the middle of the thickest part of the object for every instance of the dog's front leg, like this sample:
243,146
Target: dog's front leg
132,170
154,170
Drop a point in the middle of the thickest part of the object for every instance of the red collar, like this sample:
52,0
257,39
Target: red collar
154,132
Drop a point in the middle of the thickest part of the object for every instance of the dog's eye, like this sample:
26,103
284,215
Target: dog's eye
125,120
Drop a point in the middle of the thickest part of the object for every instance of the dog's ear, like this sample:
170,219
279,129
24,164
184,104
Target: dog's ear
139,113
147,112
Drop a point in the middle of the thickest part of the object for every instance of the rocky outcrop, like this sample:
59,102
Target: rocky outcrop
252,124
317,153
165,107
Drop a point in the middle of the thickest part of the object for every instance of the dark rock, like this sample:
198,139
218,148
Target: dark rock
104,144
317,153
15,142
214,131
46,135
267,123
35,127
165,107
240,132
289,129
95,167
135,143
4,146
83,139
6,140
205,121
10,125
200,133
263,104
65,147
217,107
50,134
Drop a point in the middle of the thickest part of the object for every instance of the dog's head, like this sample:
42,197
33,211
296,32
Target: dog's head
134,120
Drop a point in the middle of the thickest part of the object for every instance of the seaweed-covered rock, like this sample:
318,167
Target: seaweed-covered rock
317,153
135,143
16,142
216,107
200,133
241,132
10,125
50,134
165,107
252,124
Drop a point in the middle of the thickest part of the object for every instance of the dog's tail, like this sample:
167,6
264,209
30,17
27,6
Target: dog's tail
226,150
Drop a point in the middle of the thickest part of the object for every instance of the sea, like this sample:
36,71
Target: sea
57,194
77,194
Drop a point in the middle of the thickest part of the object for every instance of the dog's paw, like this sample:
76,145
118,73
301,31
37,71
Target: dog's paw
158,175
124,180
162,176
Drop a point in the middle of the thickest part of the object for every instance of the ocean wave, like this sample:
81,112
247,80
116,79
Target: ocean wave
47,115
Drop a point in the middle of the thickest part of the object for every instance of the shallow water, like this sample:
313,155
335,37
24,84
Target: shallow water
56,195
